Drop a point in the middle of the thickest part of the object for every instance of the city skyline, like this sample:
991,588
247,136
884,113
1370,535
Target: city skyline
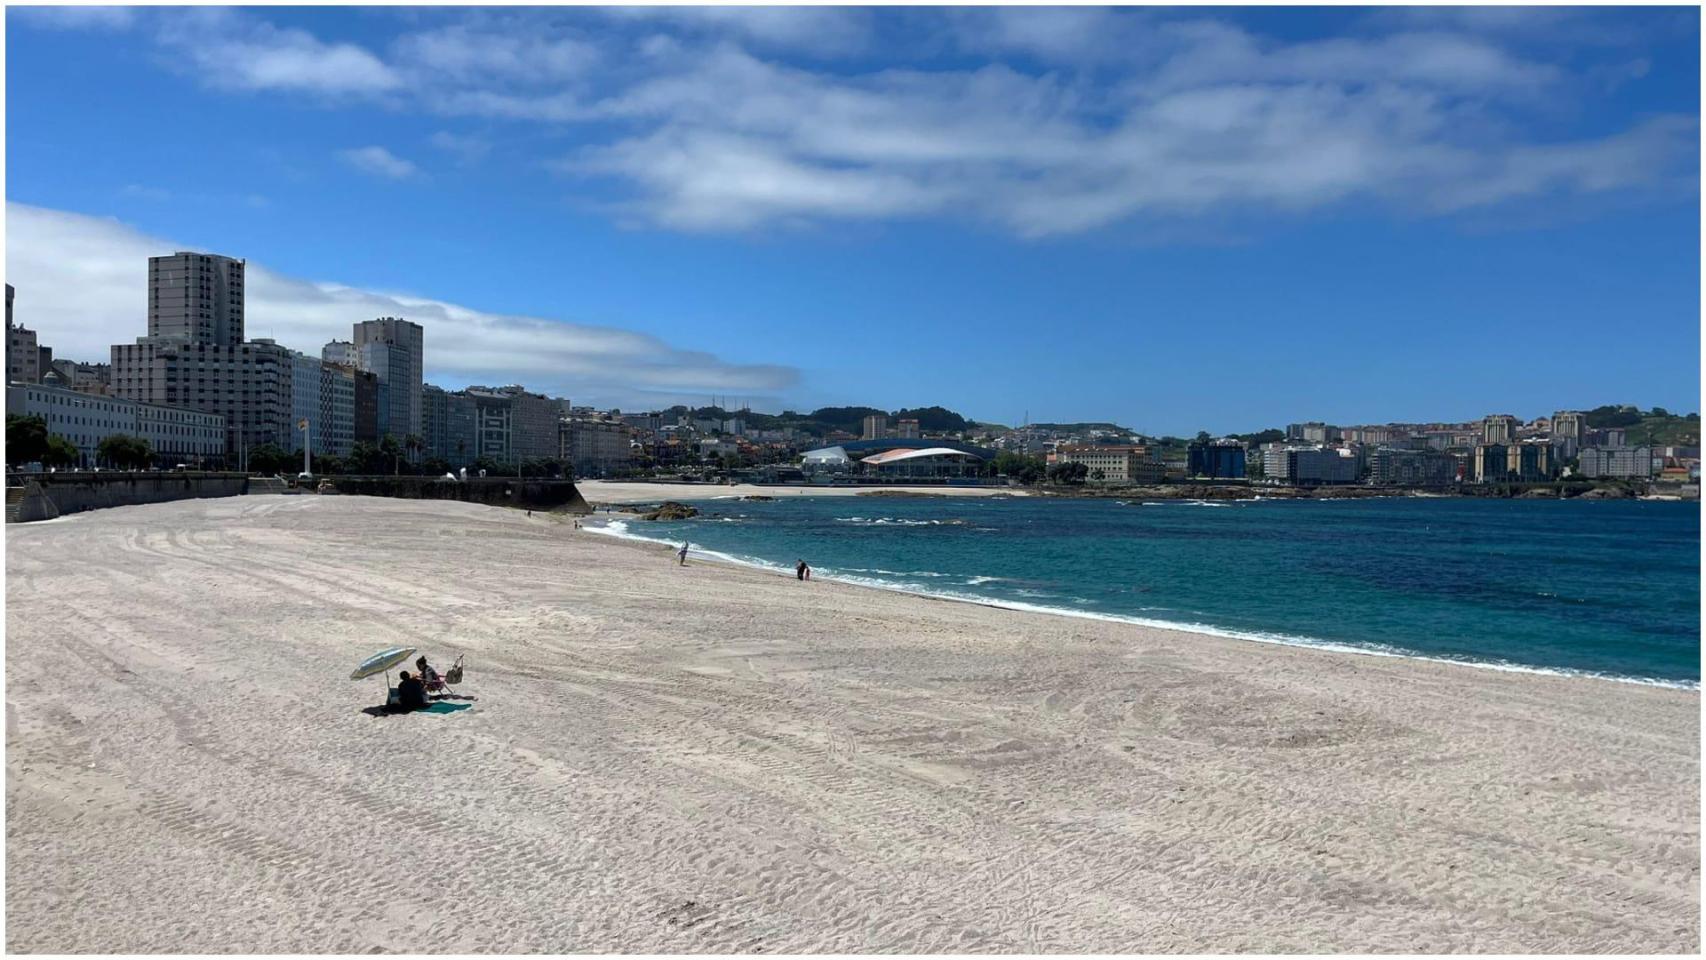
1345,306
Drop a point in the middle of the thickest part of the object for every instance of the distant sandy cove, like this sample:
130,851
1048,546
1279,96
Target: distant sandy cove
703,759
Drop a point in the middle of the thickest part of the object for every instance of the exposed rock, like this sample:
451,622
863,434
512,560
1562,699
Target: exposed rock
670,510
758,496
1608,493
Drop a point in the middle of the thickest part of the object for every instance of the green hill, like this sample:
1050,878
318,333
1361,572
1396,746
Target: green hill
1655,427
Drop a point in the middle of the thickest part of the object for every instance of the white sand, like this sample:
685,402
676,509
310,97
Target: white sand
714,759
618,491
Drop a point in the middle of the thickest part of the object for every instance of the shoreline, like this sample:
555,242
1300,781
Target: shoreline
1351,648
617,492
625,492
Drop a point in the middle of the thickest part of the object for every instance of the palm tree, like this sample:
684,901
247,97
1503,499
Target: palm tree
413,444
388,446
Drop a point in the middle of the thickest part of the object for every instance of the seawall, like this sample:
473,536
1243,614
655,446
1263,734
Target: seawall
44,496
496,491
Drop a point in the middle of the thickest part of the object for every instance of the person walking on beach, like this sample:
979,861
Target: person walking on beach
682,553
799,570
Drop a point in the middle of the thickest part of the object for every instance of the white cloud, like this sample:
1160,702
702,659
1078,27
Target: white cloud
814,31
734,142
226,49
505,52
1036,121
379,162
75,18
80,284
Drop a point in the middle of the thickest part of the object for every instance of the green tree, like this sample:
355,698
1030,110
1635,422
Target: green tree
413,443
392,452
26,440
365,459
1073,473
125,452
269,458
435,467
60,452
1098,474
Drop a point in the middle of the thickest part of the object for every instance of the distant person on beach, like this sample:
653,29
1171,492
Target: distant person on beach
411,693
682,553
799,570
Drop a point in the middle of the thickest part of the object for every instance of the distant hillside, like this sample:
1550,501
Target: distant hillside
1082,427
1655,427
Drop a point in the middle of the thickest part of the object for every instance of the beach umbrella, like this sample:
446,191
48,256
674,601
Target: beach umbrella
382,662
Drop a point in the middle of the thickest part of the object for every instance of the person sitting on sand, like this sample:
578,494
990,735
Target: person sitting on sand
411,693
427,674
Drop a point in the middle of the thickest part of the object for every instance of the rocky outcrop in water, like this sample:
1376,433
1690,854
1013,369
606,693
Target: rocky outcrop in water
670,510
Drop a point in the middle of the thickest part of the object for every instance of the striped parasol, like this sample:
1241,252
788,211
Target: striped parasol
382,662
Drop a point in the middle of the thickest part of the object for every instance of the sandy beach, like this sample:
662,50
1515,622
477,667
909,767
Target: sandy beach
716,759
619,491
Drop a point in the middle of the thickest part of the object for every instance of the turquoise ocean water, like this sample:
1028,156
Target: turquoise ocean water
1609,588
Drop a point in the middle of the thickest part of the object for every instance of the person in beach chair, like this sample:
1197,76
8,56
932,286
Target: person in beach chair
429,677
435,683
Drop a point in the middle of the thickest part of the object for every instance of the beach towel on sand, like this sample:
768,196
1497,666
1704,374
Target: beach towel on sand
439,706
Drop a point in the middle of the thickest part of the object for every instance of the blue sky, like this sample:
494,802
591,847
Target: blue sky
1178,219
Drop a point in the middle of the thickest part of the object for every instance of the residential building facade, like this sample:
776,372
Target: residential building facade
1319,466
1413,468
1116,464
1623,462
596,447
197,298
248,384
393,349
174,434
1216,460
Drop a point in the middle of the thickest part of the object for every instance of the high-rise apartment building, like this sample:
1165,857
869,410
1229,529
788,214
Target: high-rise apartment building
1413,468
305,403
23,353
392,349
341,352
1328,465
1312,432
1217,460
196,297
1567,429
1627,462
1498,428
876,428
447,426
335,433
249,384
906,429
513,425
595,447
